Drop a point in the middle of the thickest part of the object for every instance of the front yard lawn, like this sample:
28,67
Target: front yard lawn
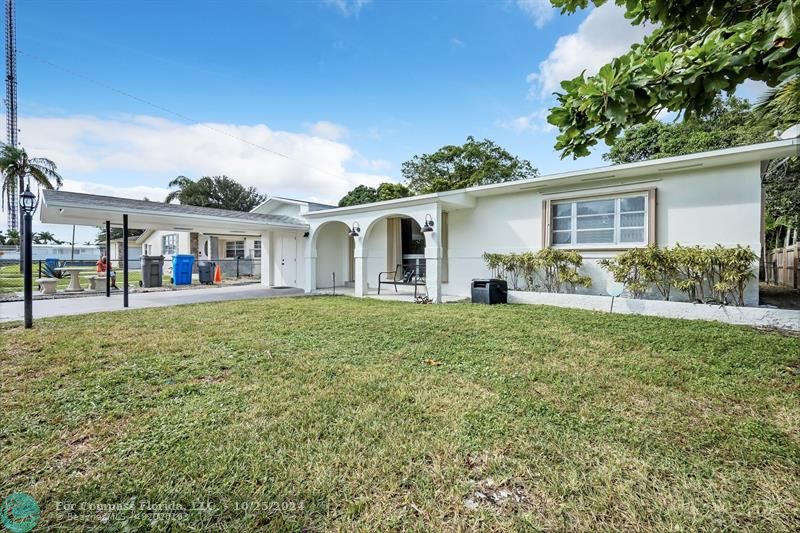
337,413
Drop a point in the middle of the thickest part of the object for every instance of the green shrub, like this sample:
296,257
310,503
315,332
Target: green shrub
641,269
705,275
550,268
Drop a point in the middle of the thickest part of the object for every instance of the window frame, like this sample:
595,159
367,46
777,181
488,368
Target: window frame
236,247
257,249
173,246
650,205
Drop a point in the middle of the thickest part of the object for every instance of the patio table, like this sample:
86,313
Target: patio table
74,279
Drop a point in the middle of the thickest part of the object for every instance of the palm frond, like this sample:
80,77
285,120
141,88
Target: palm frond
41,178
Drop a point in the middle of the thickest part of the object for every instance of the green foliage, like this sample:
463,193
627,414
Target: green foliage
780,106
698,50
549,268
641,269
728,123
11,238
16,167
220,192
45,237
363,194
457,167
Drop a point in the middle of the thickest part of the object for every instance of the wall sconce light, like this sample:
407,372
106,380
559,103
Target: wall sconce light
356,230
306,234
428,227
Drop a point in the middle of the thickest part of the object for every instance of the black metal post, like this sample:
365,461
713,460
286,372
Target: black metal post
108,259
125,260
237,267
28,269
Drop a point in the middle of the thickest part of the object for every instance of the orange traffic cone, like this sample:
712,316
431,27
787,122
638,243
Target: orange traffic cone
218,274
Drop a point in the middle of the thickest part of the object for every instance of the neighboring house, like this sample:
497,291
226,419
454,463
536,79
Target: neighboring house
698,199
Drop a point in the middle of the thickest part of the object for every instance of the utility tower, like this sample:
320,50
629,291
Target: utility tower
11,101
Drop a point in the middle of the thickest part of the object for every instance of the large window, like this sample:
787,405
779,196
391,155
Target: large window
620,221
169,244
234,249
257,249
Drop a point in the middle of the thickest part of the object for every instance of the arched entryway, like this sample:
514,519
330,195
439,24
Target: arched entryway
391,241
334,255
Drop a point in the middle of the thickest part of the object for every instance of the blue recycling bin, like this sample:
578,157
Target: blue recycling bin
182,269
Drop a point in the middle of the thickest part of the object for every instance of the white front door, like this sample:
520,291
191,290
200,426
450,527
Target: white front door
286,260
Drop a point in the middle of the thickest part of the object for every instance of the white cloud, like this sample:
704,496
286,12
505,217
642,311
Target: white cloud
154,149
348,7
135,192
455,42
535,121
603,35
539,11
327,130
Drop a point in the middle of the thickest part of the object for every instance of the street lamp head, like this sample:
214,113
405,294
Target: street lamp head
27,201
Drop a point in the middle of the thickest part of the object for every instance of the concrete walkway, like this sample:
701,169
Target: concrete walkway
101,304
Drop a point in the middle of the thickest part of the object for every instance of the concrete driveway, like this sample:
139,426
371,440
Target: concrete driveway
100,304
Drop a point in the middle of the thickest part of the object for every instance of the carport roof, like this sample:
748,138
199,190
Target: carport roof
64,207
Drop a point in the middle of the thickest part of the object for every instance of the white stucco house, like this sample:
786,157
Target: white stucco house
699,199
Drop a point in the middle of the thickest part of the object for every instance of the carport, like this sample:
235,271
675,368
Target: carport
63,207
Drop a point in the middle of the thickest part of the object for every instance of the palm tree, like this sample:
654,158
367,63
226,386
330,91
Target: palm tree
780,106
16,167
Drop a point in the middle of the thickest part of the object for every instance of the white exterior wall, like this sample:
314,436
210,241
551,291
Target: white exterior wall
332,255
152,245
694,207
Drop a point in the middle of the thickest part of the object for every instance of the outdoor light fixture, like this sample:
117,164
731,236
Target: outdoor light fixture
355,230
428,227
27,201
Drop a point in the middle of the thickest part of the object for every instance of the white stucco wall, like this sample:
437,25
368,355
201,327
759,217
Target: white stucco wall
694,207
332,255
153,242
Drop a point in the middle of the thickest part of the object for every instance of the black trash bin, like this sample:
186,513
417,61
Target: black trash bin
489,291
205,271
152,270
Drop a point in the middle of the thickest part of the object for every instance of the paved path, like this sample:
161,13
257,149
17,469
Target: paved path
99,304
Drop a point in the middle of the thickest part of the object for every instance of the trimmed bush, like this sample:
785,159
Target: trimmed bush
551,269
706,275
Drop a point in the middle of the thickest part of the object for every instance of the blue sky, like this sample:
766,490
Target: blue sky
348,89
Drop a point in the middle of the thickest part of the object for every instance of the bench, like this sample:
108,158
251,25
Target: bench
398,277
47,285
93,281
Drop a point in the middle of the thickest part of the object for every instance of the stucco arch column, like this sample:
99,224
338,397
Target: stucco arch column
433,257
266,258
360,262
310,263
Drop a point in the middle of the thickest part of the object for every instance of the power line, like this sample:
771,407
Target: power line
170,111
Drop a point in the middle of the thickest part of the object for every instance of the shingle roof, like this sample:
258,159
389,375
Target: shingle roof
98,201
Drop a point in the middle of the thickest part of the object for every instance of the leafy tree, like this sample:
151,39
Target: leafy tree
458,167
16,167
698,49
728,123
363,194
391,191
45,237
220,192
116,233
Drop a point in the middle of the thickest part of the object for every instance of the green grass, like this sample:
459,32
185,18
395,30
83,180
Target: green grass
11,278
339,413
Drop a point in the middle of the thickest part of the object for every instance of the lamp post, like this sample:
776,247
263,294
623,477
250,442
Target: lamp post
27,201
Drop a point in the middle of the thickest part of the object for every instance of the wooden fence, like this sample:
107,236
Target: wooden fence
784,266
